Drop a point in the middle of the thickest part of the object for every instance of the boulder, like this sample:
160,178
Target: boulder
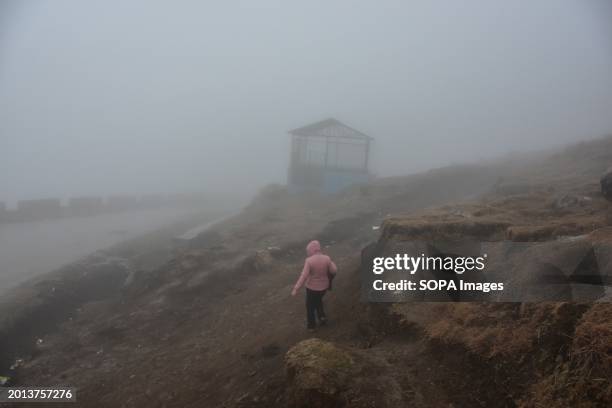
262,260
606,184
318,372
323,375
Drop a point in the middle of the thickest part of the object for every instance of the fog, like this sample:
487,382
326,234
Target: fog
30,249
141,96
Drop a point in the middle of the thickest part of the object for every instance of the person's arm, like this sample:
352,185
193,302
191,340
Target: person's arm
302,278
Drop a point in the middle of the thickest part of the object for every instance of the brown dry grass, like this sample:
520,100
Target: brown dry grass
591,354
553,354
504,330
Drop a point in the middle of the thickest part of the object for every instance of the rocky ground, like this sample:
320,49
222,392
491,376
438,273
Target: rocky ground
215,324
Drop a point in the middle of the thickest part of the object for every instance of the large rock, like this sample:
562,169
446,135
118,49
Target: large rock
323,375
606,184
318,372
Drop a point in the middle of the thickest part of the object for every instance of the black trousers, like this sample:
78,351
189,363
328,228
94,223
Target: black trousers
314,306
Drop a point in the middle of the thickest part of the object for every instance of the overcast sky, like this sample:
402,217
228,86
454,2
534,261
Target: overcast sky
126,96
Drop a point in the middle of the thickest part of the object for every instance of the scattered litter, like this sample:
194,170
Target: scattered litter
569,238
39,342
459,213
18,363
242,398
375,227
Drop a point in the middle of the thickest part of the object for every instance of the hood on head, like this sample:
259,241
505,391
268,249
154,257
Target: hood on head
313,247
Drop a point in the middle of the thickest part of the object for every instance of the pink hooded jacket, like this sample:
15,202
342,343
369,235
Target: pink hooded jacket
315,269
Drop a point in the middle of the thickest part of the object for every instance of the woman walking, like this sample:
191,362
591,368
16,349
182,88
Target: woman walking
317,273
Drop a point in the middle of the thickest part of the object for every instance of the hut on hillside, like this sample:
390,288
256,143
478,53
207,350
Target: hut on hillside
328,156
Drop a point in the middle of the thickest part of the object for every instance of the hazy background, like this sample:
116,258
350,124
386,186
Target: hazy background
126,96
